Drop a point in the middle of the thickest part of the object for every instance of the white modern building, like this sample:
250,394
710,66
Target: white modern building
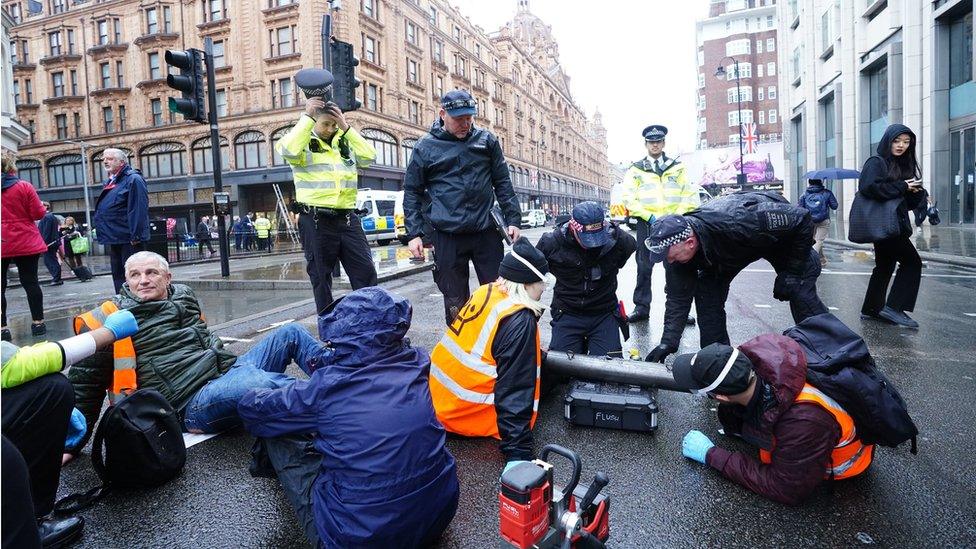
851,67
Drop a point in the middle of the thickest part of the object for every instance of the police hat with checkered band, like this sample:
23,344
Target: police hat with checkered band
314,82
666,232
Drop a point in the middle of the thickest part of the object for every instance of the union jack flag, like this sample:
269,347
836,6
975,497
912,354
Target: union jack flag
750,137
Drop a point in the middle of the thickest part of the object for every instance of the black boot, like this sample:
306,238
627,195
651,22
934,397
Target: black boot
59,533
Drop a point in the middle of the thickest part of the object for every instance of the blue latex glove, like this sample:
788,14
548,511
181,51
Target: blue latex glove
77,427
511,464
695,446
122,324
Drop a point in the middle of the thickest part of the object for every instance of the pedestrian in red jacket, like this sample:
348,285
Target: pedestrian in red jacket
22,242
804,436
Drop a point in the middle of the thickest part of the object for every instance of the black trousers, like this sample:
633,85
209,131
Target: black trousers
53,263
19,526
27,271
200,244
117,254
452,252
332,239
35,419
594,334
904,291
642,291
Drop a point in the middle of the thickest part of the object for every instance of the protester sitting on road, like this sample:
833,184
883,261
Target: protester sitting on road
176,354
485,372
381,475
38,417
706,248
803,435
585,255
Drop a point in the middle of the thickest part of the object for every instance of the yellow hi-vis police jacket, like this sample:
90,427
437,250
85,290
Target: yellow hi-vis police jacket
647,192
323,178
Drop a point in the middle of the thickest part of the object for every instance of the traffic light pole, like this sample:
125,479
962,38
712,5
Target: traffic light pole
215,152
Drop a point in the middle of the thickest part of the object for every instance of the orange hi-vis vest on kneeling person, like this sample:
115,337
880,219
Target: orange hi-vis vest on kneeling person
463,370
850,457
124,353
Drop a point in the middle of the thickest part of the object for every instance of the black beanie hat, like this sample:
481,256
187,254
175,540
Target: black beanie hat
514,268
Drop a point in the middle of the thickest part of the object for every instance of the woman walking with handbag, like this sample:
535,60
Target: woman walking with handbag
75,248
893,176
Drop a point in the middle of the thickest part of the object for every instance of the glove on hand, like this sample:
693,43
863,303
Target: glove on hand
77,427
511,464
659,353
785,286
122,324
695,446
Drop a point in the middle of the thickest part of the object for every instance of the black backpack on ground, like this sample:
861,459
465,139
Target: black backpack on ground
840,365
138,444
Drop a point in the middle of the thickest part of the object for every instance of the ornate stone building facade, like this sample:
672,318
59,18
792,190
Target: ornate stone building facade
89,75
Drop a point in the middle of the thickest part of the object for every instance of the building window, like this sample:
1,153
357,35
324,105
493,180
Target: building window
29,169
772,116
167,19
156,107
282,41
759,92
759,70
276,159
77,120
799,154
163,160
769,21
214,10
102,27
439,86
282,93
961,51
734,117
203,156
745,94
372,99
432,15
457,34
106,72
772,92
369,50
411,32
58,6
54,41
65,171
878,101
701,80
32,130
770,45
745,71
61,123
117,30
437,47
279,3
412,73
71,41
57,84
119,74
459,65
15,13
108,119
121,118
155,73
407,146
759,46
371,8
28,91
762,117
385,145
737,47
829,135
221,102
414,112
771,68
250,151
219,57
17,93
152,21
74,82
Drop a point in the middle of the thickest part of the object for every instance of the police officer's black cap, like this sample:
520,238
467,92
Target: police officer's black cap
666,232
314,82
655,132
717,369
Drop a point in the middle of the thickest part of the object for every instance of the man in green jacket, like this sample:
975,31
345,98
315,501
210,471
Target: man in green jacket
176,354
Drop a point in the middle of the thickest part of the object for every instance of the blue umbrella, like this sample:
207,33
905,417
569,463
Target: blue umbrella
832,173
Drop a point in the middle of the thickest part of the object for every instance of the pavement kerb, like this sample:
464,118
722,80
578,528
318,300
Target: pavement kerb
957,260
227,284
263,314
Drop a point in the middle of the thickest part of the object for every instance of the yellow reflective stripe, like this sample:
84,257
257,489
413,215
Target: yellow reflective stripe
326,168
469,360
461,393
318,184
482,342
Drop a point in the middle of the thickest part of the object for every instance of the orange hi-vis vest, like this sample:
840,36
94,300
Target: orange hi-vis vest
850,456
124,353
463,370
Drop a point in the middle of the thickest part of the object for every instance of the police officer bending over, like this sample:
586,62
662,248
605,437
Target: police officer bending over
456,173
707,247
585,255
324,152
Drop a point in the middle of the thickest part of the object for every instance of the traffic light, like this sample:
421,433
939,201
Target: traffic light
190,82
344,69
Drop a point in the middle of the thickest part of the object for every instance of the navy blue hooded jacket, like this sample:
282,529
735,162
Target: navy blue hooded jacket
122,209
386,478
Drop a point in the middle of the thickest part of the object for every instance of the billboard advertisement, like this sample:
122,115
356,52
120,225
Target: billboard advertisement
716,169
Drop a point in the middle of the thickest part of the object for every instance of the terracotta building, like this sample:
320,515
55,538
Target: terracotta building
90,74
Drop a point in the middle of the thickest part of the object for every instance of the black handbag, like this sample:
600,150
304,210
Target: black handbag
873,220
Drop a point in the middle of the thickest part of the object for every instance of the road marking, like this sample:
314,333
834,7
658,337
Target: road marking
435,295
228,338
868,273
276,325
762,306
71,294
970,314
833,308
192,439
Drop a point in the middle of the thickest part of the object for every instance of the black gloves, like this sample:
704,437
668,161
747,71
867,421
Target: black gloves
659,353
786,286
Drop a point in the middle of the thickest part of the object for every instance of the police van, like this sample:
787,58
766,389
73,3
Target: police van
379,217
618,212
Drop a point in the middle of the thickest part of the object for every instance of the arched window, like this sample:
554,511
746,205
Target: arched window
276,159
163,160
385,145
65,170
98,170
30,169
203,155
407,146
250,151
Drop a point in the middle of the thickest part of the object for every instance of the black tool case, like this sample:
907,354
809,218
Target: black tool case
612,406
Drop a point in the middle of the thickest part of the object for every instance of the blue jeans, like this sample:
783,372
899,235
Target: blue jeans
214,408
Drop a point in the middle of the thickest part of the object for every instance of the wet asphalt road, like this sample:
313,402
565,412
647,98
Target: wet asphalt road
658,498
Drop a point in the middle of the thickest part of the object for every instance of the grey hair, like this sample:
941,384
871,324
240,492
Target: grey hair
147,256
520,296
117,153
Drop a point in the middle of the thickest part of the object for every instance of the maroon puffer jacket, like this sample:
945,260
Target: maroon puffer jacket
21,208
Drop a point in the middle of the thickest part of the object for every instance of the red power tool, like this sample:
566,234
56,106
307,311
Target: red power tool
534,513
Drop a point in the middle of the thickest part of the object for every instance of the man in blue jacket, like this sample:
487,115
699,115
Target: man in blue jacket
121,212
384,477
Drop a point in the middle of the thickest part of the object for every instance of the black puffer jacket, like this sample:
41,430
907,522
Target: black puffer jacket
586,280
453,183
734,231
876,184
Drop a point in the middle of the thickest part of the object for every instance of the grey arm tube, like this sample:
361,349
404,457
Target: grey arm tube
617,370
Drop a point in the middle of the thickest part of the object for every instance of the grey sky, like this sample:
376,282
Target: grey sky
634,60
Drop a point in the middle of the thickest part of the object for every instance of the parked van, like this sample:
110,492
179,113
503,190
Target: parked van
533,218
400,220
379,222
618,212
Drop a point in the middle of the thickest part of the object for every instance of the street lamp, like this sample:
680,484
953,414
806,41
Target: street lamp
720,74
84,168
